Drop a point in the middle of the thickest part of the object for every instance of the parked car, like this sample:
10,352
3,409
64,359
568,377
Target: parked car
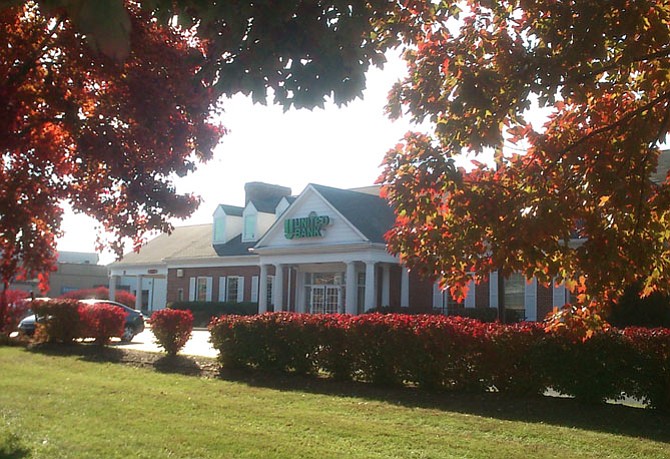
133,326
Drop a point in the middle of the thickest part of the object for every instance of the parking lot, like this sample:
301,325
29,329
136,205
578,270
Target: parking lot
198,344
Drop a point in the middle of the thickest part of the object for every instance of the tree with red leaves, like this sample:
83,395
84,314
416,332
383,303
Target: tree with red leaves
579,205
104,136
103,103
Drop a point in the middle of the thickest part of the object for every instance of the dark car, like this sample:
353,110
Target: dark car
133,326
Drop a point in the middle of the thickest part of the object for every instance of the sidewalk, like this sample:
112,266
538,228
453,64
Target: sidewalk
198,345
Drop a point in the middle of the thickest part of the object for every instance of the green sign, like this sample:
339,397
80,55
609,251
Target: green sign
310,226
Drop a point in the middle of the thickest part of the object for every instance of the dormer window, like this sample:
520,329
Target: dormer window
219,229
249,230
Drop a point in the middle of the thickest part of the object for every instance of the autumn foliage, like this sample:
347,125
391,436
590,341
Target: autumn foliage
101,293
578,197
66,320
103,135
104,103
452,353
12,309
172,329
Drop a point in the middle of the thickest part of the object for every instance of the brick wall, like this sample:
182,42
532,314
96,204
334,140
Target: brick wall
175,283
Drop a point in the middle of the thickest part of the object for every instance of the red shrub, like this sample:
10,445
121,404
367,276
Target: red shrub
172,329
101,293
453,353
58,320
13,308
101,322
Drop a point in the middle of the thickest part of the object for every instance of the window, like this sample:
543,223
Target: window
201,289
219,229
515,294
271,280
444,302
324,292
249,233
235,289
180,294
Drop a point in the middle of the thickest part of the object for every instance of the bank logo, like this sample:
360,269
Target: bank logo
310,226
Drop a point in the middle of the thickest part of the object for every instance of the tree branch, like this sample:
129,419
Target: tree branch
627,117
665,52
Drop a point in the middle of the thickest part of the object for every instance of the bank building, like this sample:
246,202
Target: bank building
322,251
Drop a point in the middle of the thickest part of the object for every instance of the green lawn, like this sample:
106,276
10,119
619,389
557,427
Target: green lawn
54,406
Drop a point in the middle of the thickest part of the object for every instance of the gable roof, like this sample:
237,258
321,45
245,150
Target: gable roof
235,211
268,205
234,247
370,214
184,241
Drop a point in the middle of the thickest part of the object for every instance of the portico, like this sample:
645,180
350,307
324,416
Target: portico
328,255
335,282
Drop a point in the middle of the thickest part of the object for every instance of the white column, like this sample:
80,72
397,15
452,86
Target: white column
370,286
386,285
263,290
112,286
493,290
351,288
404,288
278,287
138,292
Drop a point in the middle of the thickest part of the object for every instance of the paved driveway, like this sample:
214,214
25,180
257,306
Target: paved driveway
198,344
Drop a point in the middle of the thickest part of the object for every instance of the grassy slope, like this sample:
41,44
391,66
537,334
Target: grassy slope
64,407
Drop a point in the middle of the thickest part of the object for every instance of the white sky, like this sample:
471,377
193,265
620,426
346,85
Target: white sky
340,147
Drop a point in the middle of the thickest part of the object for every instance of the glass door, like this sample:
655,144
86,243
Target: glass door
325,299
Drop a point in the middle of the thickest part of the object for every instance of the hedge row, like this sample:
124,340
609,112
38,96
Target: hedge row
64,320
204,311
452,353
482,314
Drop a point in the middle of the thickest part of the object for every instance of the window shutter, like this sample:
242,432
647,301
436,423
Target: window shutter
208,292
437,296
493,289
191,289
470,297
254,289
222,289
531,299
240,289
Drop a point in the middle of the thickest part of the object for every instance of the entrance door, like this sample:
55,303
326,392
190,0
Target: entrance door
325,299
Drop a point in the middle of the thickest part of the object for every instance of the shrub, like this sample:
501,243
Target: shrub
58,320
172,329
102,322
454,353
14,306
482,314
631,310
204,311
101,293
